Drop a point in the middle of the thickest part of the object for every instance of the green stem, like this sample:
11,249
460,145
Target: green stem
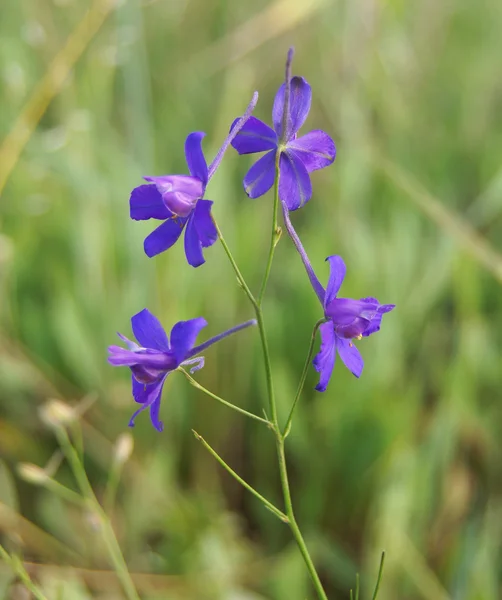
306,366
276,232
197,385
274,424
244,483
17,566
106,529
112,485
293,525
65,493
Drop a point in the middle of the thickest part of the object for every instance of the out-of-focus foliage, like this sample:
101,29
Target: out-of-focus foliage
408,457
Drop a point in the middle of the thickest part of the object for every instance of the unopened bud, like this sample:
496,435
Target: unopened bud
56,413
124,447
32,473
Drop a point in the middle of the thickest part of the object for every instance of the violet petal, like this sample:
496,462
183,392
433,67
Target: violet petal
183,336
350,356
146,203
193,245
195,157
164,236
148,331
324,361
203,223
295,188
337,272
299,106
179,192
315,149
255,136
152,395
260,177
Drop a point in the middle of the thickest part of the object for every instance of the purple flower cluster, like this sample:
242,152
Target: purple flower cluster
178,201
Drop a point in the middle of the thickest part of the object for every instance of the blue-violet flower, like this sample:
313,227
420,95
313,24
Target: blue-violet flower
177,200
299,156
348,320
153,357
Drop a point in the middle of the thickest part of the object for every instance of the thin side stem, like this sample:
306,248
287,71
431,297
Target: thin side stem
379,578
306,366
106,529
197,385
17,566
65,493
276,232
269,505
239,275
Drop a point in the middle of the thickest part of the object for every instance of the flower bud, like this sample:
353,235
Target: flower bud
32,473
55,413
124,447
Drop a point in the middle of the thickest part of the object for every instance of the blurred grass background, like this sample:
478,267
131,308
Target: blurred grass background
408,457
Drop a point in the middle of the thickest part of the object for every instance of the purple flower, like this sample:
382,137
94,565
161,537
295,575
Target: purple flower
177,200
152,358
298,156
348,320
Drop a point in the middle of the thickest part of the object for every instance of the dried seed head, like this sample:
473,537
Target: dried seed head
32,473
55,413
124,447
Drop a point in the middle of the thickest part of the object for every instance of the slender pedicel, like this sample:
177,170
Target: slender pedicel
230,137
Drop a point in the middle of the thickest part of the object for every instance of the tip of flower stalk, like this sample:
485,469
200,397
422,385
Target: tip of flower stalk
289,58
32,473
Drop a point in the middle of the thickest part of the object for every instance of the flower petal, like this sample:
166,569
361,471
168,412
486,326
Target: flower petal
351,318
195,157
164,236
324,361
131,345
150,397
295,188
141,391
315,149
350,356
344,310
146,203
299,106
193,245
184,335
179,192
148,331
375,322
155,410
260,177
203,223
337,270
255,136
